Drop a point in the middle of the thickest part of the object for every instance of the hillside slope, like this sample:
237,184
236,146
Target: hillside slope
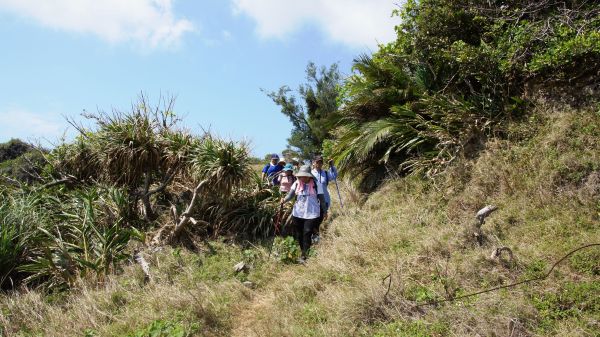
409,243
413,242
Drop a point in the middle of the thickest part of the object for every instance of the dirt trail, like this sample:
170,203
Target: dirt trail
245,322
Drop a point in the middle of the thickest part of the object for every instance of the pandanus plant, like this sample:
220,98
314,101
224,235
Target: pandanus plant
218,166
89,236
141,150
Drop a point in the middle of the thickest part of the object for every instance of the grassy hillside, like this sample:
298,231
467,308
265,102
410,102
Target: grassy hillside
544,178
409,243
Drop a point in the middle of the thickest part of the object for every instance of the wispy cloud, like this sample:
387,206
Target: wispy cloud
356,23
149,22
20,123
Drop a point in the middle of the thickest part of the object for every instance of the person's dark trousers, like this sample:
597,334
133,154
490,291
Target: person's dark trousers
304,229
318,224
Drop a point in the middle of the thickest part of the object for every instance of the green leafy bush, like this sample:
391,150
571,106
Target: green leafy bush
87,235
12,149
162,328
286,249
21,217
572,300
456,73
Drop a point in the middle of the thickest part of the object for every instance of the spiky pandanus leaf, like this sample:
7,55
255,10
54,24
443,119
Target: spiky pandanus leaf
222,164
20,216
89,238
219,166
250,212
128,146
177,147
77,159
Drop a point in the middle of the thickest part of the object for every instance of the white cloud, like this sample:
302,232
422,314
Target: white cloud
20,123
149,22
356,23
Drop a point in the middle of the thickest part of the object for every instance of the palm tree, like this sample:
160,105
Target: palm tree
392,122
378,126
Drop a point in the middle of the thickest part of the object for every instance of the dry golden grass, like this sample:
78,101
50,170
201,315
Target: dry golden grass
197,291
409,243
419,234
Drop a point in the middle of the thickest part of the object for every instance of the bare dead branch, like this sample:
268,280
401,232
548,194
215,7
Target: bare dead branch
185,218
68,179
144,264
497,253
484,213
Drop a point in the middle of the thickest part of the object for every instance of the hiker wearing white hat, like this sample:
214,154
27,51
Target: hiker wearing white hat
308,209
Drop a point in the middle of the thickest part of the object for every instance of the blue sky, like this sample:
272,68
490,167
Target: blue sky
59,57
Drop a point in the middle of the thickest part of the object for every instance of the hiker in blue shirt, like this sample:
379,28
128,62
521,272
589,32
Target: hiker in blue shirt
323,178
272,172
274,161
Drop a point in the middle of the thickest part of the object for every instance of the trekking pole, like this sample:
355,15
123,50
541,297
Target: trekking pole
338,192
337,187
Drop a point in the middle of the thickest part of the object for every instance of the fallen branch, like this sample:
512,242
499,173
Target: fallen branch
484,213
69,179
498,252
435,302
144,264
186,218
389,278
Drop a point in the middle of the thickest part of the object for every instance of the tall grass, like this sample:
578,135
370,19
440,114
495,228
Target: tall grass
413,242
21,217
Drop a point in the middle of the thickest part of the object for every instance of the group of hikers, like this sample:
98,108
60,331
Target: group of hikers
308,183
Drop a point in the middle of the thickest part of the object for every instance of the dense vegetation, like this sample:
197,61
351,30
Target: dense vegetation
20,161
476,102
456,74
13,149
544,178
135,174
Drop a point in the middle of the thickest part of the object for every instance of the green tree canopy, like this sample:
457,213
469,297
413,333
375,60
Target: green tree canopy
457,71
314,116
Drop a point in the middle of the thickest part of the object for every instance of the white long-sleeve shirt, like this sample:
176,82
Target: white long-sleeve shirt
307,206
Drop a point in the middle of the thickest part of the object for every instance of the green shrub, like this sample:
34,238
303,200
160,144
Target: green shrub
572,300
85,234
286,249
162,328
12,149
457,72
21,217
